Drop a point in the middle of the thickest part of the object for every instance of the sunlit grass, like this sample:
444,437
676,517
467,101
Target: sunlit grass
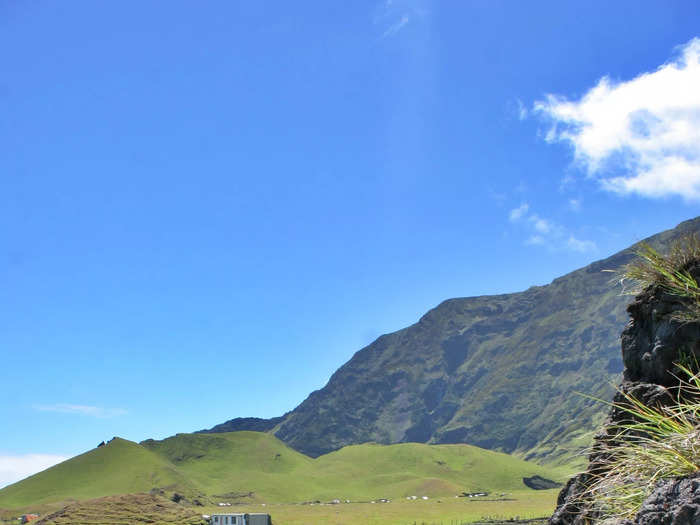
523,504
668,272
659,442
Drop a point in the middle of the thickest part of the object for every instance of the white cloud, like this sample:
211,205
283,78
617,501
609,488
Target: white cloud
578,245
640,136
15,468
392,16
541,225
83,410
522,110
575,204
396,26
517,213
547,233
535,239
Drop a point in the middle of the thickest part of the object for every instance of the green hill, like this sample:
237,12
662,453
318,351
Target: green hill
405,469
253,466
119,467
239,463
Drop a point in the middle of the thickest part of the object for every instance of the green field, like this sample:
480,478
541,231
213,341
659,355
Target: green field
118,510
525,504
251,468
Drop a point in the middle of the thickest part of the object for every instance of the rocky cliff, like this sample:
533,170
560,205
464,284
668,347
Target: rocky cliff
498,372
660,346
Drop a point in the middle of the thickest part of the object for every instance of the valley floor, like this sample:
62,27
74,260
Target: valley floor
439,511
518,505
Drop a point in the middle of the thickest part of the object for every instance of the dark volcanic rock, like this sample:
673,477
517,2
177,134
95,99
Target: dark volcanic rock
570,507
653,340
673,502
540,483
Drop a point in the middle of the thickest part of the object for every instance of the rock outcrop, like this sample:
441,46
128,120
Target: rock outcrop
654,340
673,502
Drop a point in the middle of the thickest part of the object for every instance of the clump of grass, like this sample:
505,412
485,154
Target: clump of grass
668,272
662,442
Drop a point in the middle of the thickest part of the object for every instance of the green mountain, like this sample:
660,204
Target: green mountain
499,372
254,466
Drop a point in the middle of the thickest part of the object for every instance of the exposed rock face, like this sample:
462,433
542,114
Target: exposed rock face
540,483
673,502
652,342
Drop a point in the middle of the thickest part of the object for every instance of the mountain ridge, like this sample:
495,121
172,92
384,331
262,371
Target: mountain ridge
495,371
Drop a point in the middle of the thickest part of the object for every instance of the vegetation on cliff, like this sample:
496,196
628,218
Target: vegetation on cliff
652,435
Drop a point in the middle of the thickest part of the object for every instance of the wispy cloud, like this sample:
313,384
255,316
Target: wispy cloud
545,232
396,26
83,410
575,205
391,16
517,213
15,468
578,245
522,110
640,136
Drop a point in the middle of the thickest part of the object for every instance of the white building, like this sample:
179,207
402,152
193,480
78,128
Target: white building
240,519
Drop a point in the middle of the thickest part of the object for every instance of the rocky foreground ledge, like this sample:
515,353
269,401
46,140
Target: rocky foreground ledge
653,343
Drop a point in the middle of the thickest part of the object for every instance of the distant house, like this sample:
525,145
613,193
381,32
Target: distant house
240,519
26,518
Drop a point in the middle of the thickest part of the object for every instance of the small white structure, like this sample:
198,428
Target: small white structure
240,519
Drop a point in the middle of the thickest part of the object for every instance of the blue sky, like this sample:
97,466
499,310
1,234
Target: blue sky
206,210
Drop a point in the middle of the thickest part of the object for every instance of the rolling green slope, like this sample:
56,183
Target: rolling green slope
253,466
120,467
394,471
239,463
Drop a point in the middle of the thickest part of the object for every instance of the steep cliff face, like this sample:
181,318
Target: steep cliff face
654,343
499,372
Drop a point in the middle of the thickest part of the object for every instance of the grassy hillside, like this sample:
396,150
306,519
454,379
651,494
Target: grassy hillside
118,510
243,462
238,463
394,471
118,468
253,467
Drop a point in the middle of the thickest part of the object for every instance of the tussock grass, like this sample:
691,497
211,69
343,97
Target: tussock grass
662,442
668,272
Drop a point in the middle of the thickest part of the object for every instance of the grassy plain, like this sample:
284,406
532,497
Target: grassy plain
524,504
114,510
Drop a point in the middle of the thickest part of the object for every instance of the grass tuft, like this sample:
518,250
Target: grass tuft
661,442
671,273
